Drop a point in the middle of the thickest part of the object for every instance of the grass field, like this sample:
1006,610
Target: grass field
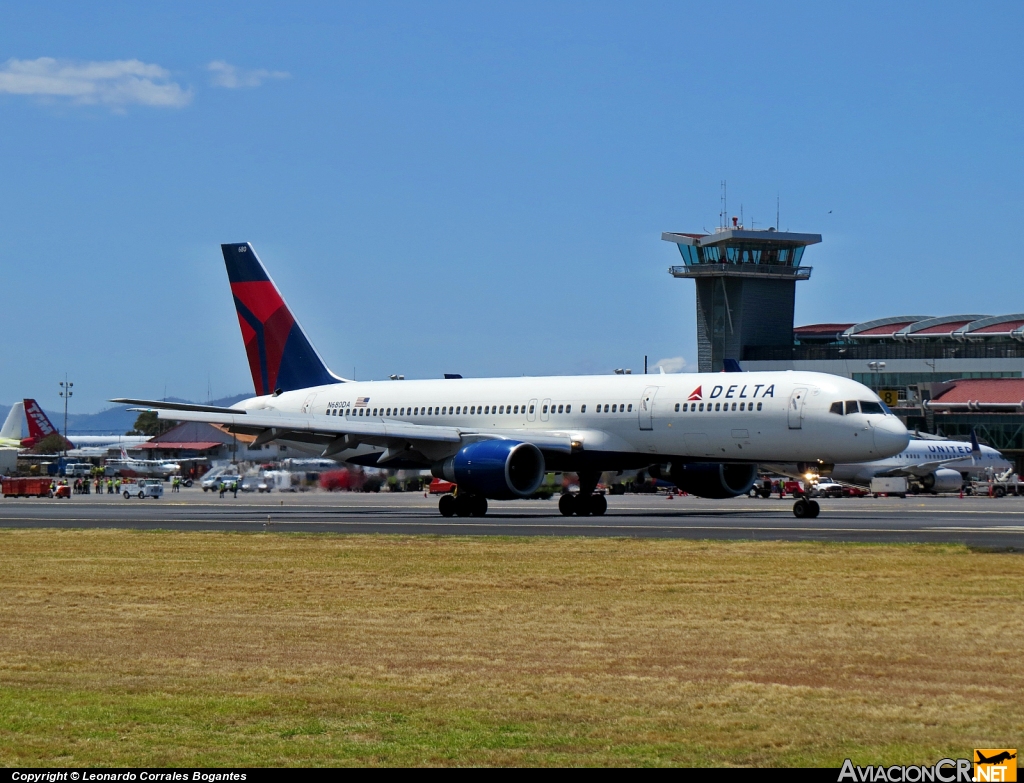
134,648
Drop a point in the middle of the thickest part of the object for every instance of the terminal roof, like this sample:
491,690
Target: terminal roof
970,328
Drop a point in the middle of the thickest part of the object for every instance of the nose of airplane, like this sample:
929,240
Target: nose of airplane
890,436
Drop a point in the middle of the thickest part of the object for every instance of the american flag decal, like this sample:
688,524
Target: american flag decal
362,402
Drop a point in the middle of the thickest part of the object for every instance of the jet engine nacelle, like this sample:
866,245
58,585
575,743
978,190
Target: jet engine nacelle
496,469
716,480
943,480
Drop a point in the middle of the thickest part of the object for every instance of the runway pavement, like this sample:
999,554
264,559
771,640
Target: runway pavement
984,522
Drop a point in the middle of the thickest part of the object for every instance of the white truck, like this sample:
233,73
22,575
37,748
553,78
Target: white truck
281,480
889,485
142,488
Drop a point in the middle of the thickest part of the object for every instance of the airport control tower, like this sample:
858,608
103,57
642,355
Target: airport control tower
746,283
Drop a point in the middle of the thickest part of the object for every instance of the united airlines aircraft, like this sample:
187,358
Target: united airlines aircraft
929,463
496,437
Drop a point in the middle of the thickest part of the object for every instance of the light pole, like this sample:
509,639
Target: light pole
876,368
66,393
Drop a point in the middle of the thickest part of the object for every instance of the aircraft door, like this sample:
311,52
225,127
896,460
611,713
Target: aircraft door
532,411
307,406
646,413
545,404
796,408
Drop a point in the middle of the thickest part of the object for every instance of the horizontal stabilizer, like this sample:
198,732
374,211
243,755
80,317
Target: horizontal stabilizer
175,406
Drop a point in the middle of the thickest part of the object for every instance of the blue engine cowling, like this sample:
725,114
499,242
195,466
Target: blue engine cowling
716,480
496,469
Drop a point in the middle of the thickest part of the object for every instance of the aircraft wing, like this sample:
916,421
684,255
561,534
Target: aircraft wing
337,434
919,470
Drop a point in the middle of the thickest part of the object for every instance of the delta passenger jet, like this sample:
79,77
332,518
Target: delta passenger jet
495,437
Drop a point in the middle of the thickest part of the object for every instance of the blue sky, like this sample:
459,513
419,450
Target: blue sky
481,188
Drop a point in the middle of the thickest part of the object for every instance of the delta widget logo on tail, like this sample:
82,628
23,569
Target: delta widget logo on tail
730,393
280,355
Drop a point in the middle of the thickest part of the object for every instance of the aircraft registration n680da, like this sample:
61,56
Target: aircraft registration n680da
496,437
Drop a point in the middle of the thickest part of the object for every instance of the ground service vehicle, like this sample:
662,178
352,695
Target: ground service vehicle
213,484
498,437
826,488
143,488
892,485
441,487
997,487
281,480
26,487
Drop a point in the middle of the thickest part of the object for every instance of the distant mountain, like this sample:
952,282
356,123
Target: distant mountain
112,421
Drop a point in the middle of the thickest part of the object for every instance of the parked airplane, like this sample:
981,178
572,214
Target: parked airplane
129,466
932,464
10,434
496,437
40,426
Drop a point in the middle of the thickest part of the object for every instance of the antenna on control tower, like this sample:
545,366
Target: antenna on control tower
723,216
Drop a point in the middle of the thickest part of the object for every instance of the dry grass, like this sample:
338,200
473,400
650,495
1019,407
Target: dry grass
125,648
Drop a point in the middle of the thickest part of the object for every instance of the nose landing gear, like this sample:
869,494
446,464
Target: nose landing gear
806,509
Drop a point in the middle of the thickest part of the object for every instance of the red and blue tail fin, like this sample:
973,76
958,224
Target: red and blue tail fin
280,355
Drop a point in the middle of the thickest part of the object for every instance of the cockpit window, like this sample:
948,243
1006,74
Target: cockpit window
851,407
837,407
886,409
870,407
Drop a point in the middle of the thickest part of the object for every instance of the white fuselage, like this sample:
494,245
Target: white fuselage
142,467
630,419
923,452
111,441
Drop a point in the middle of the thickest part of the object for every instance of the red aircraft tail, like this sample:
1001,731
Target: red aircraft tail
39,425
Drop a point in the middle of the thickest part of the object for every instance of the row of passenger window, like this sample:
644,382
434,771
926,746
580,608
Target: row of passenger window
719,406
440,410
472,410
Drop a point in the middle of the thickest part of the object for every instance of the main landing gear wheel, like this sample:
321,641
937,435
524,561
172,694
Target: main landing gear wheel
582,505
446,505
469,506
567,505
806,509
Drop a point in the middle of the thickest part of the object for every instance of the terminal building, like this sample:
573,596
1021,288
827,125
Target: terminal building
746,287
